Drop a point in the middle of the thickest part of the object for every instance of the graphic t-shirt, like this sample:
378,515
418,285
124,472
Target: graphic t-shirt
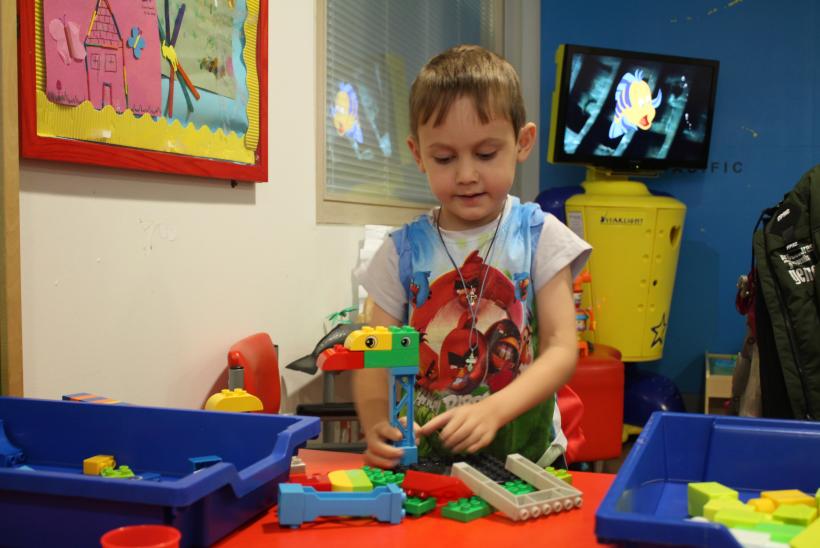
477,321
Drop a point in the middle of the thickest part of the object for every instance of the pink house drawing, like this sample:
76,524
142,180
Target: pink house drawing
104,60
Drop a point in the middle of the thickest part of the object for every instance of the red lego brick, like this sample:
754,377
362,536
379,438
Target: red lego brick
340,358
320,482
444,488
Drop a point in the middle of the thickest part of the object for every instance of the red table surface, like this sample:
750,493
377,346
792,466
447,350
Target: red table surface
574,528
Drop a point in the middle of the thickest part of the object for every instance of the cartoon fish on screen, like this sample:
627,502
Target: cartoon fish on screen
634,105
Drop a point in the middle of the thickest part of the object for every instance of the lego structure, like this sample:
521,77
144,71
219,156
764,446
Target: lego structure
299,504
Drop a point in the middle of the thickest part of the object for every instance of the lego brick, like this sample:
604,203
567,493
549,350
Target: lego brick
349,480
320,482
518,487
123,472
235,401
789,496
465,510
297,465
491,467
377,476
418,507
732,517
554,495
340,358
714,506
560,473
370,338
809,538
425,484
795,514
762,505
699,493
299,504
93,466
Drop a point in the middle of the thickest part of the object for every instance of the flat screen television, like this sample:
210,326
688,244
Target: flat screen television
626,111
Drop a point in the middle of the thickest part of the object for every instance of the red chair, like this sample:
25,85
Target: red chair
599,383
258,356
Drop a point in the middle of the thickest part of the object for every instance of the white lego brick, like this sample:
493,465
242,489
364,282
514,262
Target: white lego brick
548,486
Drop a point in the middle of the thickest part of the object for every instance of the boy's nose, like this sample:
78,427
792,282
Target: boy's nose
467,172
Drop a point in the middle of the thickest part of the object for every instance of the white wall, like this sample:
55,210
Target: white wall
135,284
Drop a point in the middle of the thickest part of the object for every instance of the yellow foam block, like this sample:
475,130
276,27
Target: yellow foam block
809,538
789,496
714,506
93,466
699,493
349,480
762,505
733,518
796,514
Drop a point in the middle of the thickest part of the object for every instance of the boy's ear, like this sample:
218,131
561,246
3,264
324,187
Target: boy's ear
526,141
416,150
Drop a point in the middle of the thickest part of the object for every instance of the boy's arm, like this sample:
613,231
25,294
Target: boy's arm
471,427
371,398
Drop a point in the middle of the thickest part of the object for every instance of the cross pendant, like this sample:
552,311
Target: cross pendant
470,361
471,297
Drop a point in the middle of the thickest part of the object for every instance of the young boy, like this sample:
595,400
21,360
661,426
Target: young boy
482,278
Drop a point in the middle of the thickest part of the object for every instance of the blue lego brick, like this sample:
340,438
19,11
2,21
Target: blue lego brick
299,504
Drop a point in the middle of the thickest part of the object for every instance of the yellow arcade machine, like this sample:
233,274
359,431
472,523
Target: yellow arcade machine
626,114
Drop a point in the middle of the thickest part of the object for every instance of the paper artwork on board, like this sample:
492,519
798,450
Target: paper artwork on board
106,52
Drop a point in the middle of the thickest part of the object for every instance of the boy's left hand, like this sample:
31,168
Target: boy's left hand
466,428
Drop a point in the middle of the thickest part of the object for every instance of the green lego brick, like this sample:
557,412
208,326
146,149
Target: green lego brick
123,472
518,487
465,510
808,538
698,494
404,352
418,507
378,476
560,473
795,514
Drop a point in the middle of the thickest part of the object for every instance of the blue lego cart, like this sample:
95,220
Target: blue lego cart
54,504
646,504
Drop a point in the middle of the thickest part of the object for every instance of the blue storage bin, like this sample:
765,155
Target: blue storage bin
56,505
646,504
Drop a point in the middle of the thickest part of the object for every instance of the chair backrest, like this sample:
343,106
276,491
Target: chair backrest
257,355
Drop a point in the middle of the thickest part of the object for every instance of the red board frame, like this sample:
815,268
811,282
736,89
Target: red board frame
85,152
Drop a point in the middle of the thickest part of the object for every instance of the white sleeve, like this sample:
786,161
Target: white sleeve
558,247
380,278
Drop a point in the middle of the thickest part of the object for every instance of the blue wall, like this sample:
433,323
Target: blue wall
765,127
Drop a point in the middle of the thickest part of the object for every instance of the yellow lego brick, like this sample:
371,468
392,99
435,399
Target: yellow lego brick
732,518
349,480
236,400
809,538
370,338
699,493
93,466
796,514
762,505
789,496
714,506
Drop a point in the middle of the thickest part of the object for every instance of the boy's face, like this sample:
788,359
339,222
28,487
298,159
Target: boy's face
470,166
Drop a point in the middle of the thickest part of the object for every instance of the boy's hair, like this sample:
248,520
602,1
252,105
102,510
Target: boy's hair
470,71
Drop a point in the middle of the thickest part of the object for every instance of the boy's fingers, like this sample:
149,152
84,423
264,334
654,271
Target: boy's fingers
458,440
435,423
388,432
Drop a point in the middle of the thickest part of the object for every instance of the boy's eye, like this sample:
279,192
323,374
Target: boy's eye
442,159
486,155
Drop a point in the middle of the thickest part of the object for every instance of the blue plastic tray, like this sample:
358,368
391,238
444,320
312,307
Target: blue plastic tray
646,504
56,505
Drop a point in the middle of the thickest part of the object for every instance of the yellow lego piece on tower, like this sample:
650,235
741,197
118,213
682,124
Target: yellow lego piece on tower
370,338
789,496
349,480
93,466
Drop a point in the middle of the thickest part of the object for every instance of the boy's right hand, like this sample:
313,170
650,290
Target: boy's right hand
380,451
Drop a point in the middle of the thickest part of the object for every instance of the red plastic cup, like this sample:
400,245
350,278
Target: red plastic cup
142,536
